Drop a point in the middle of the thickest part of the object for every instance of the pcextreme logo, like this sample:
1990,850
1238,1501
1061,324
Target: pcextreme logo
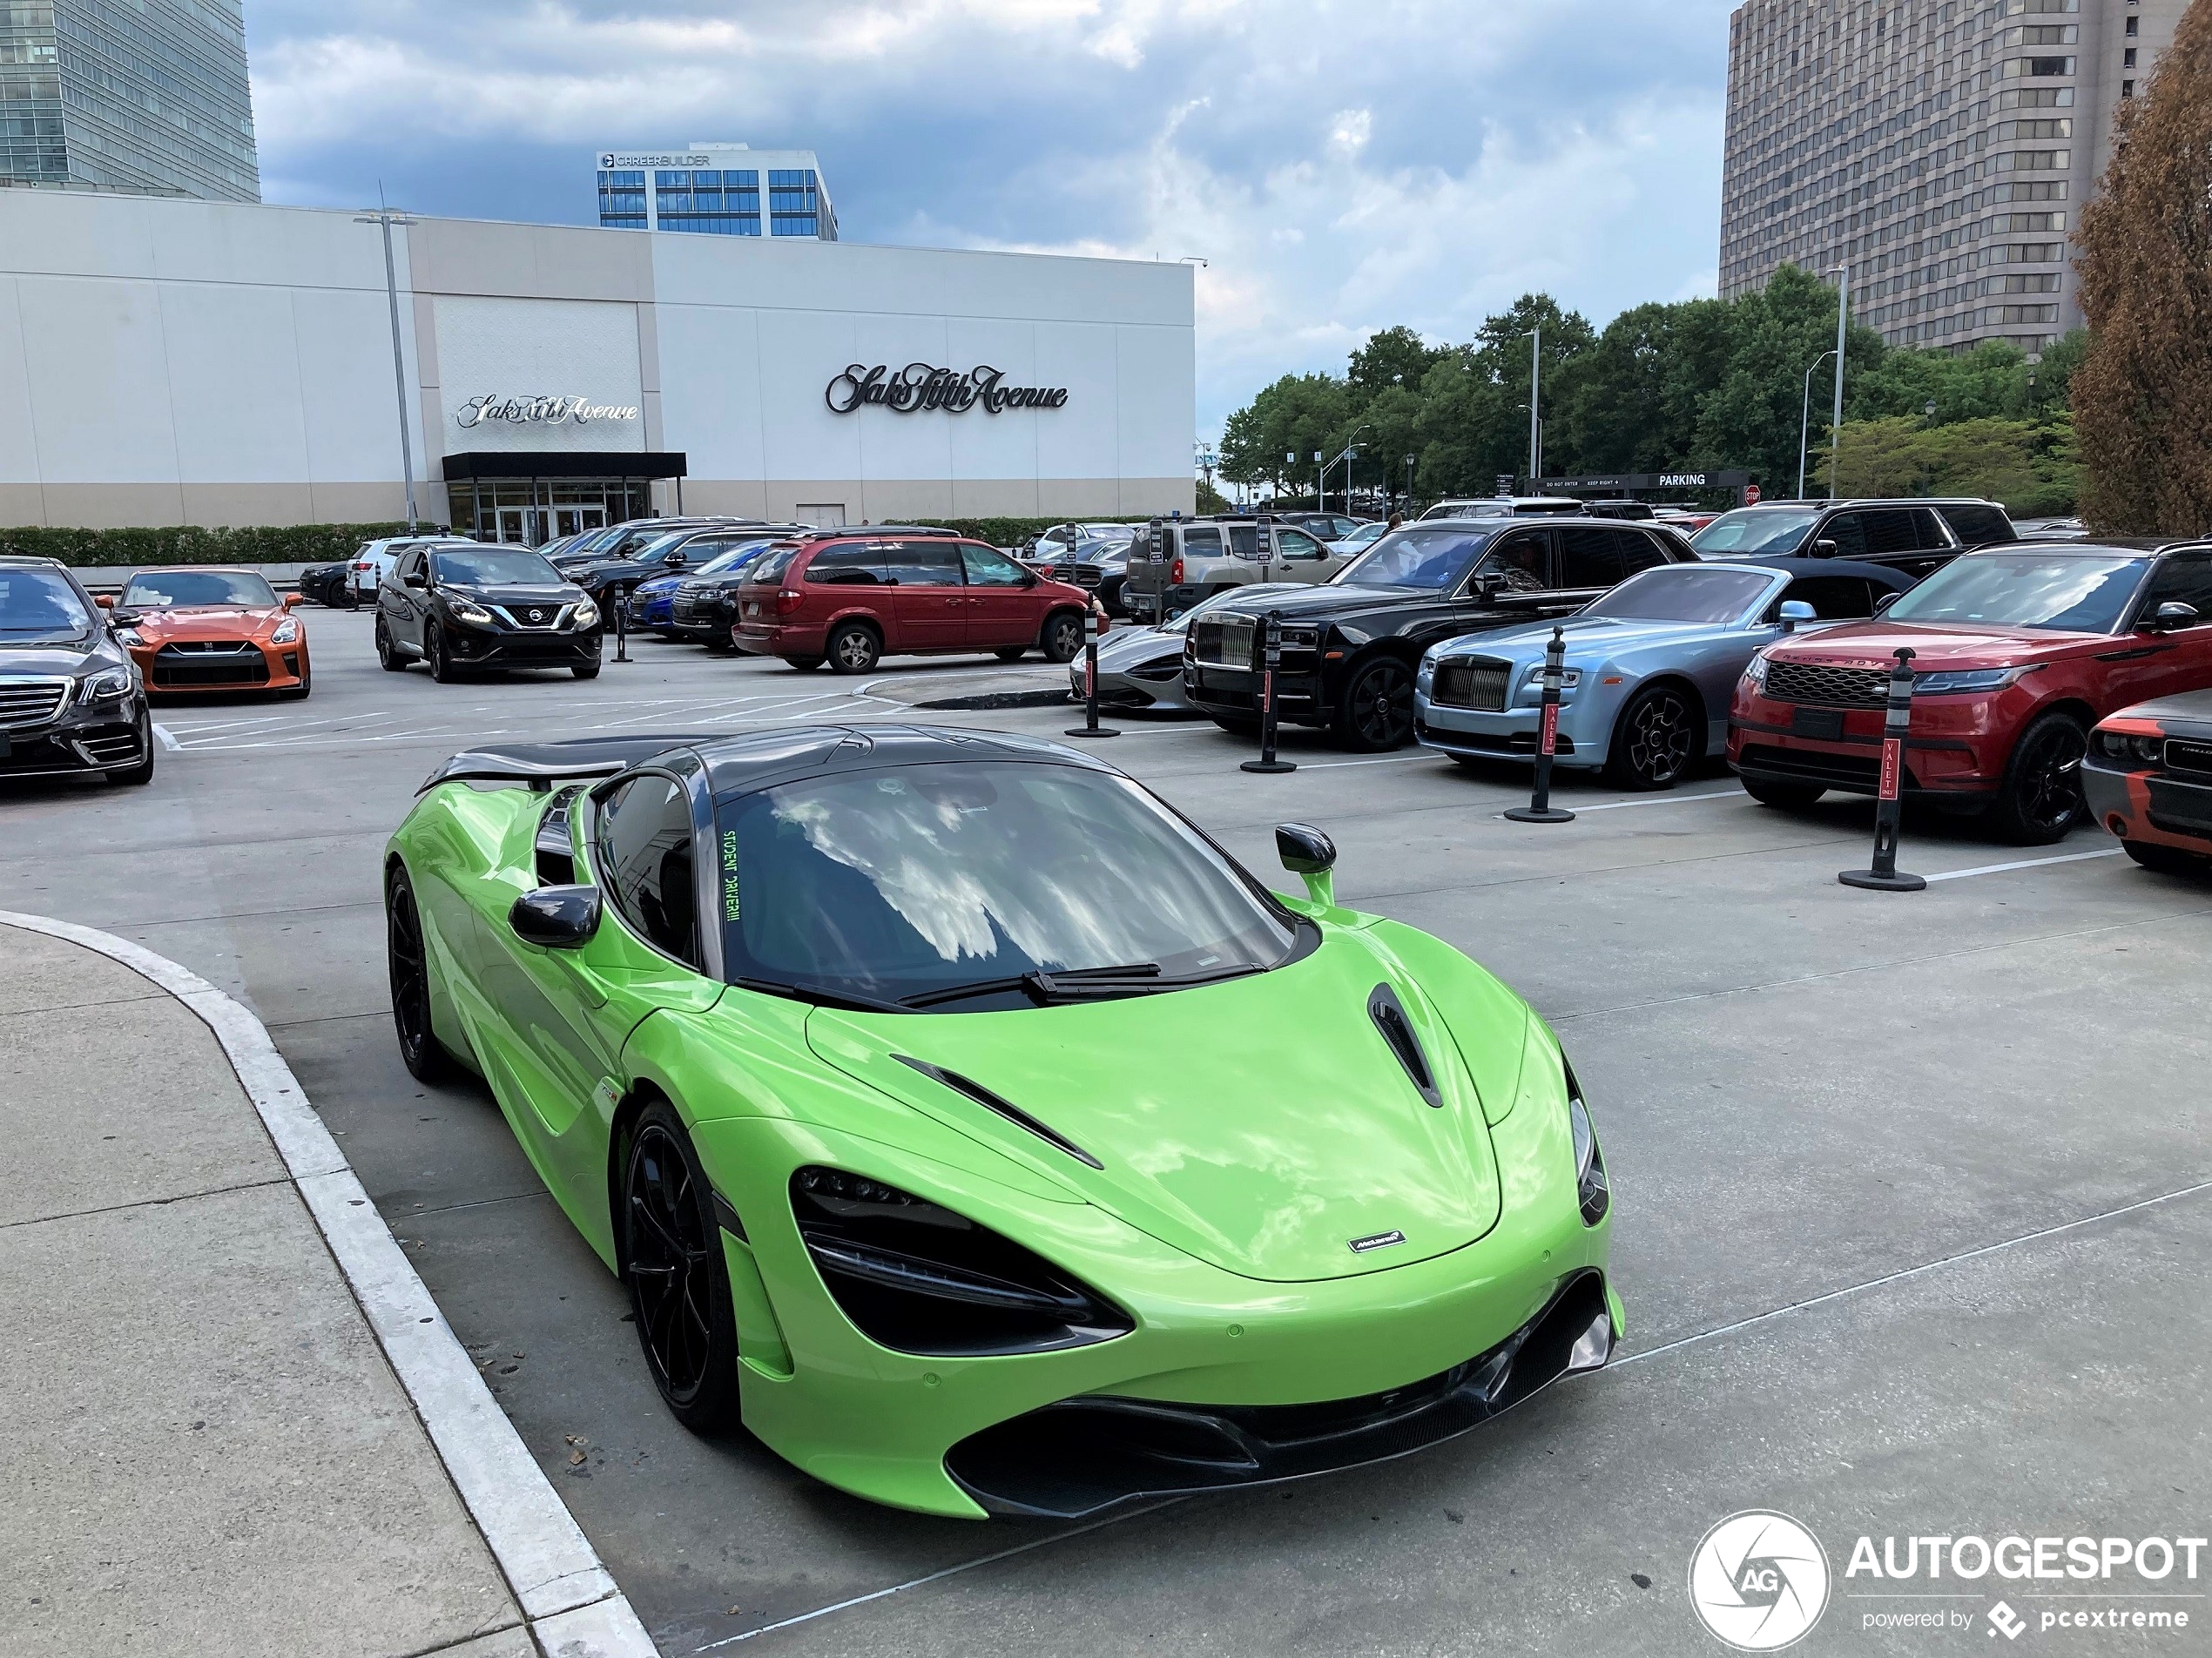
1759,1580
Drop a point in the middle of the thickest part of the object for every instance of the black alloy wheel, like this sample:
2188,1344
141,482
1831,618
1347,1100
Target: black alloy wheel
1658,734
1378,711
2041,799
388,654
1011,653
800,664
679,1288
854,649
1063,637
293,693
586,668
435,653
408,962
143,772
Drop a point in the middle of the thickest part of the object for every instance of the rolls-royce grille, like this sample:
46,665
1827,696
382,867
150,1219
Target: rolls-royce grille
1478,683
32,702
1225,642
1807,681
186,663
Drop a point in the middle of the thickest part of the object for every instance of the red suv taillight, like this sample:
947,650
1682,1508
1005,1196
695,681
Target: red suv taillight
788,601
1175,573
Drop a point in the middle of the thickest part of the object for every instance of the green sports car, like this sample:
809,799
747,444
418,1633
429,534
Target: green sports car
971,1127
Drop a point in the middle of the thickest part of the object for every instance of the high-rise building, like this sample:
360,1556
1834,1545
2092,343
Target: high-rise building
715,189
1940,148
135,95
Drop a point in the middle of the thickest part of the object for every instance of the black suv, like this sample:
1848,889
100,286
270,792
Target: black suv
455,607
70,701
1913,536
1350,646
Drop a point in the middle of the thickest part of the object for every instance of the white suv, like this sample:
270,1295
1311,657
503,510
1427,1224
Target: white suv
374,560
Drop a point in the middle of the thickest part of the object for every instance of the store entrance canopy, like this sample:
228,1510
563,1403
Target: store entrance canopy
565,463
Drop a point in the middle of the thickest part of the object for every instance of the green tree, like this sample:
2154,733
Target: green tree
2027,466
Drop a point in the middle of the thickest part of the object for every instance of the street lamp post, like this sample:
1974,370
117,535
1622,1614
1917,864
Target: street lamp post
1836,427
1535,378
1804,421
385,217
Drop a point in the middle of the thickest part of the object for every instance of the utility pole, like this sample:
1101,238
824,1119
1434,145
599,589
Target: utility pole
1836,427
1536,374
385,217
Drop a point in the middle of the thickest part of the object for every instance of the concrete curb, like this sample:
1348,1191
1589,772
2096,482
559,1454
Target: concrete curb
573,1606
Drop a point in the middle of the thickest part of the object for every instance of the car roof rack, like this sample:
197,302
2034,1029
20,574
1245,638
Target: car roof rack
539,766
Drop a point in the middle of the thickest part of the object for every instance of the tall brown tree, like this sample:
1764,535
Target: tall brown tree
2142,396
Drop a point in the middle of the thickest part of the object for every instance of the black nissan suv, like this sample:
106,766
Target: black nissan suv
456,607
70,701
1350,646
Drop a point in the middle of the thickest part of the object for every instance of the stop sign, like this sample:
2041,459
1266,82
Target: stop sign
1750,495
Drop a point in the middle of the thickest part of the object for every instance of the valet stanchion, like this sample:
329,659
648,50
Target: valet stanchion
1090,727
1540,808
1882,877
619,601
1271,661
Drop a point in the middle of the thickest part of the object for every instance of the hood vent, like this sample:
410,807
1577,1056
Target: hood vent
1006,1109
1389,1014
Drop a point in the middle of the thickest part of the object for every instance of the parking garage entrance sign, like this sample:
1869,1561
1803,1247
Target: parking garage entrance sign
919,387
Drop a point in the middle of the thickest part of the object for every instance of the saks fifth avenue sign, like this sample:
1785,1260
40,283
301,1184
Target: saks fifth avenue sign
918,387
540,411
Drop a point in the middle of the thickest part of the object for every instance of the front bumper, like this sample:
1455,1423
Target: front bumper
1955,748
1301,693
186,667
1509,733
89,741
2151,807
477,647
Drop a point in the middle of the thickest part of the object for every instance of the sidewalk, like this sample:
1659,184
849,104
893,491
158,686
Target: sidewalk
222,1381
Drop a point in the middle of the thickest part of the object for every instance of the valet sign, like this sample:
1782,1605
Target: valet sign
919,387
539,411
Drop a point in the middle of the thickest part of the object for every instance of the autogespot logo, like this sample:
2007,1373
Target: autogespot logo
1758,1581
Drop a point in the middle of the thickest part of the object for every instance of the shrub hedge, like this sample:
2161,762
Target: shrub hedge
319,543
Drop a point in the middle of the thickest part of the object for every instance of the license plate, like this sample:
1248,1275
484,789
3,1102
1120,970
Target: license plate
1824,724
752,609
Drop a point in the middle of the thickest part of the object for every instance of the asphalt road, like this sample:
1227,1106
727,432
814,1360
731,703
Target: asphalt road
1912,1217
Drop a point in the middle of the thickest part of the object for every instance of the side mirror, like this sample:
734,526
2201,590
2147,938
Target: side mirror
293,601
120,618
557,918
1794,611
1489,585
1825,548
2171,615
1307,852
105,601
675,556
414,578
1884,602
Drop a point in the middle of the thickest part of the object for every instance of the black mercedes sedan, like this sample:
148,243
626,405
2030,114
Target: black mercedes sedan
458,609
1353,644
70,701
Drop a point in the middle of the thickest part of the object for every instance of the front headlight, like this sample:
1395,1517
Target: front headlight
1755,672
287,632
1300,638
1944,679
105,687
463,610
1568,678
587,615
1592,1191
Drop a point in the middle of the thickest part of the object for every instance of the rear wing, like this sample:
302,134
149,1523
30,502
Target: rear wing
542,766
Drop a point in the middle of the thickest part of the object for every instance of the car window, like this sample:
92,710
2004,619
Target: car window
2182,581
159,589
38,604
1833,598
1928,529
1978,526
1520,560
769,568
1435,556
922,563
1243,540
1202,541
848,563
1296,544
1682,593
2070,592
1848,531
1587,556
1754,529
1891,529
987,567
492,568
409,564
645,859
1638,550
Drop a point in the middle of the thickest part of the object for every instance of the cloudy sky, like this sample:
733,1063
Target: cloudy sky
1340,166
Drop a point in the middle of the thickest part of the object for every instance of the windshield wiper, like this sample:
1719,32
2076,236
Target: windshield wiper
1045,988
820,996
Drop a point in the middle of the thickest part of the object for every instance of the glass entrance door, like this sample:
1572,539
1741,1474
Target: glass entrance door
574,521
521,524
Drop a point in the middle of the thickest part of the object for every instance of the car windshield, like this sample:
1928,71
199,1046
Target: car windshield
1363,535
1754,529
1435,557
770,569
2070,593
900,882
495,566
1683,593
172,589
38,605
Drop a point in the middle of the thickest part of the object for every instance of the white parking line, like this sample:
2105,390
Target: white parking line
1649,800
1386,759
2026,863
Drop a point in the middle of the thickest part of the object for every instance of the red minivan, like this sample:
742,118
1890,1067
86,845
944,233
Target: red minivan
850,597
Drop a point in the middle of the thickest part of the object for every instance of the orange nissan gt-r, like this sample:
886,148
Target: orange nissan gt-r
212,630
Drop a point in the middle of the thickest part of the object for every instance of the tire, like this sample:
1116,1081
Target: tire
797,664
669,1245
1782,796
854,647
407,961
1376,712
295,693
1063,636
1012,652
434,653
2166,860
585,670
1659,733
2041,799
388,654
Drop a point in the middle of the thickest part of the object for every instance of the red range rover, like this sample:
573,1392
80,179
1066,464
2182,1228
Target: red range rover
851,597
2018,652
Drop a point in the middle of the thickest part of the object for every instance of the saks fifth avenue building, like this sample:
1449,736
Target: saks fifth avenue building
167,361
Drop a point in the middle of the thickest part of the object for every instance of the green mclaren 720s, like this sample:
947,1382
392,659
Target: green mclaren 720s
973,1130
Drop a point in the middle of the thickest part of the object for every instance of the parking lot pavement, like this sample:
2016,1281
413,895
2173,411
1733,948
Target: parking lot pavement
1852,1120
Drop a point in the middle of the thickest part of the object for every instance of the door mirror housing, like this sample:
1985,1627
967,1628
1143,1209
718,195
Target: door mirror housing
122,618
1882,602
556,918
293,601
1825,548
105,601
1308,852
414,578
2171,615
1793,612
1487,585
